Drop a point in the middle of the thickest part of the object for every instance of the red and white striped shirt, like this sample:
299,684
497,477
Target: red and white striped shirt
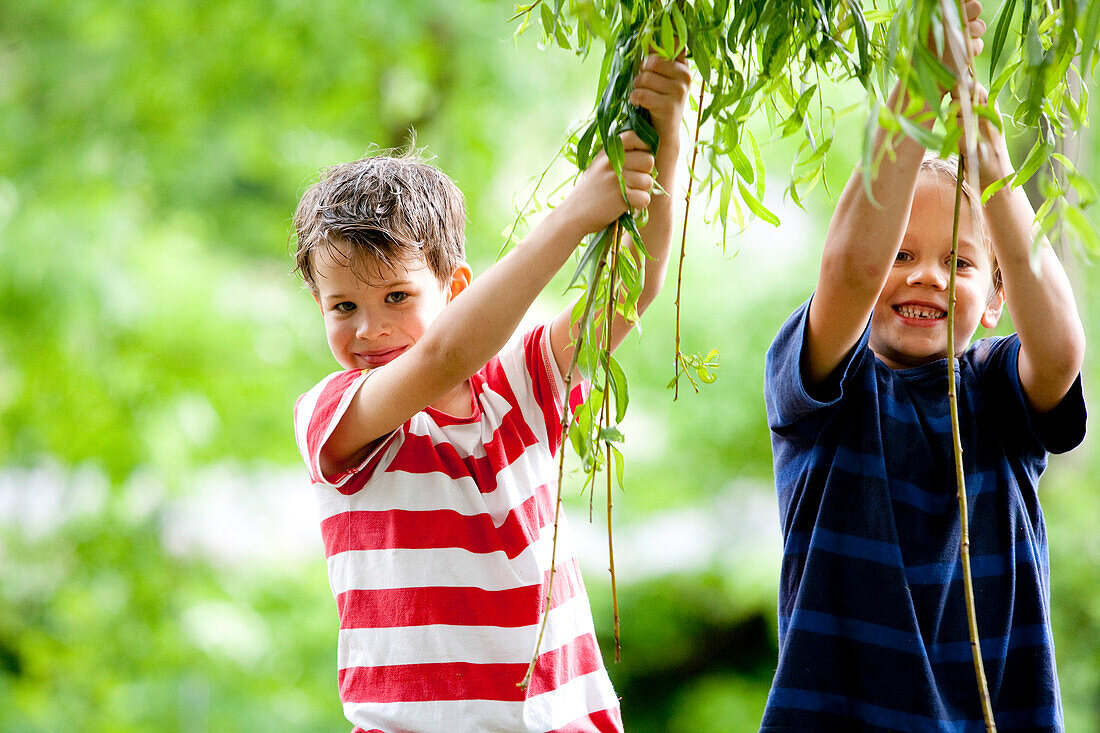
438,550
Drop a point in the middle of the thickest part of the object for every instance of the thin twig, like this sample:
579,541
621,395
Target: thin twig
683,237
968,147
609,319
952,399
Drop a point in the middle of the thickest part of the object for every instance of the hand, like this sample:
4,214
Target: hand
661,87
994,161
975,28
597,199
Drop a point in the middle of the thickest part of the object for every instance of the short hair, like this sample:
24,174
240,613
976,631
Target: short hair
949,168
390,208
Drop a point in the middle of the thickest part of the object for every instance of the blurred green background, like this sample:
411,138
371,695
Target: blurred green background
160,563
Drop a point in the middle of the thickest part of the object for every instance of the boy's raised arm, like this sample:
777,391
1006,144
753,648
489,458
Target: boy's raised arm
480,319
860,247
863,240
1037,290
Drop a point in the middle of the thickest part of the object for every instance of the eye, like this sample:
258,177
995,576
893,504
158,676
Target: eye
345,307
903,256
396,297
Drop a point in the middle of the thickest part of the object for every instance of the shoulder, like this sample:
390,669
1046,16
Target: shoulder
993,352
788,394
994,368
329,396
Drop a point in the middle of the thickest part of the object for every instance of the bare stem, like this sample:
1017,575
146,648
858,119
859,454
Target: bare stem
611,561
684,235
964,521
967,96
609,319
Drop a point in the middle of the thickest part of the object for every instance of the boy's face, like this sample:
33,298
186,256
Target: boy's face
374,313
909,325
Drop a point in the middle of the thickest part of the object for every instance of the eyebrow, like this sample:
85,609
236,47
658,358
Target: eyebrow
392,284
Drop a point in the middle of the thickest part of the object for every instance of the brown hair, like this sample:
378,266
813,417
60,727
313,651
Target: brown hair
949,168
389,208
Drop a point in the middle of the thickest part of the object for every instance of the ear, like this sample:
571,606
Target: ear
460,280
317,300
993,309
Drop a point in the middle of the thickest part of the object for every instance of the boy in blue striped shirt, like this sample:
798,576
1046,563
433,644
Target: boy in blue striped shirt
872,620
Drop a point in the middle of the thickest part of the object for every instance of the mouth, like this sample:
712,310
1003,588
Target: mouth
919,312
375,359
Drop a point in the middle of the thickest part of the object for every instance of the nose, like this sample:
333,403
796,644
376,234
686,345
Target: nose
928,273
371,325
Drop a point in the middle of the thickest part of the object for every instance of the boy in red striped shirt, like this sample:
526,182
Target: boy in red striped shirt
432,454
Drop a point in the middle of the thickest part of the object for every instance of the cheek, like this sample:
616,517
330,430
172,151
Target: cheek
338,333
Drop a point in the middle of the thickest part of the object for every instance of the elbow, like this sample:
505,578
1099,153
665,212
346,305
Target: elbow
1075,350
446,358
1063,364
650,291
1071,349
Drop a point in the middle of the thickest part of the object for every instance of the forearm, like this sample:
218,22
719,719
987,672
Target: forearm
861,245
1040,299
864,234
476,325
657,234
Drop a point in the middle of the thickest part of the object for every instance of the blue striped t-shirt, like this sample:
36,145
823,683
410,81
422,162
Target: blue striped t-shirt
873,631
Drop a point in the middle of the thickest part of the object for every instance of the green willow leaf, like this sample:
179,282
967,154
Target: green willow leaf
1084,228
610,434
756,207
631,225
1090,30
930,139
638,120
619,467
618,387
758,160
1000,33
1036,157
585,152
863,43
591,256
996,186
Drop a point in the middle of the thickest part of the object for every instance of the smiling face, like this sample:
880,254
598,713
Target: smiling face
909,325
374,313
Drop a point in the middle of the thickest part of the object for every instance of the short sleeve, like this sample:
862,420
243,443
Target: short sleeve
531,355
316,415
785,392
1059,430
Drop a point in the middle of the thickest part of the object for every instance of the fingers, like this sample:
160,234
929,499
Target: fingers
661,86
975,26
973,9
637,175
638,160
631,141
662,75
636,156
660,78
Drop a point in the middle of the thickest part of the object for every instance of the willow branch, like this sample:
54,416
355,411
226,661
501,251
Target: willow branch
966,93
590,301
609,319
960,478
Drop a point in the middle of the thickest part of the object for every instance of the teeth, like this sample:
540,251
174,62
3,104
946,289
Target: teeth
912,311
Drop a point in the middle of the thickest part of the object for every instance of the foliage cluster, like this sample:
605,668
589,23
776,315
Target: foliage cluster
148,326
751,54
